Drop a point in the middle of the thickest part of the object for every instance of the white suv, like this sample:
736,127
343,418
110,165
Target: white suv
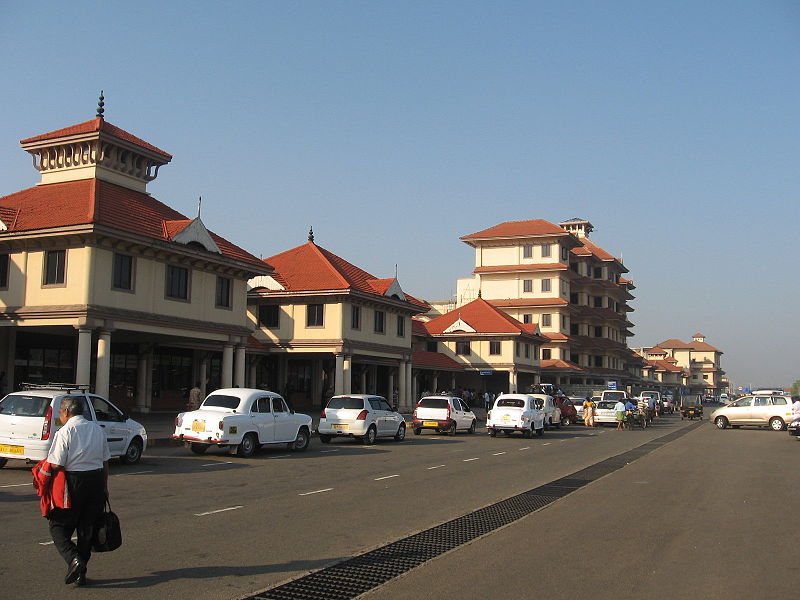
360,416
29,420
443,413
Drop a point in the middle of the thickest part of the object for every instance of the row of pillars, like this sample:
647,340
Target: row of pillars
343,380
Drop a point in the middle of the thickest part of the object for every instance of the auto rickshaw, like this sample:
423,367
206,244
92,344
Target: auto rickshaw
691,408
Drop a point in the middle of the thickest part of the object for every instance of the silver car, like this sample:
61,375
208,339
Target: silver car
762,410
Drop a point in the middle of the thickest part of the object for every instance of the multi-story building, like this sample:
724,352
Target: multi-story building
323,326
556,277
702,362
102,284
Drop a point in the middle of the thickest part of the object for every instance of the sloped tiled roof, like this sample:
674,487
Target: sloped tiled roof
675,344
313,268
481,316
656,350
696,346
663,365
557,364
96,124
530,227
97,202
435,360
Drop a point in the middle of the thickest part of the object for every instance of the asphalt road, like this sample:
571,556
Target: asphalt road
704,516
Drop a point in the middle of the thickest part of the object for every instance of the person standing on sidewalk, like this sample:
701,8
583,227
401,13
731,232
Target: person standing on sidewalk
195,397
79,448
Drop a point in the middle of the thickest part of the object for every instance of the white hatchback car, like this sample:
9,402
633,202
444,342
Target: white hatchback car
604,411
443,413
29,420
242,419
361,416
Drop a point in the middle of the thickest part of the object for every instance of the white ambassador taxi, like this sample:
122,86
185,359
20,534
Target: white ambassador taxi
516,412
242,420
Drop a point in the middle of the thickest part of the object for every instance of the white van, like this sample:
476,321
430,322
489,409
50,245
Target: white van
29,420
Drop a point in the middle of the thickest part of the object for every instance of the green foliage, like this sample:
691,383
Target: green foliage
796,387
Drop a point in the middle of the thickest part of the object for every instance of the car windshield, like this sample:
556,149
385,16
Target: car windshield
433,403
222,401
346,402
614,396
512,402
609,404
23,405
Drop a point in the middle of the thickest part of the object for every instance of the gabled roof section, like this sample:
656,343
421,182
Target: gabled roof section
517,229
557,364
97,124
93,202
186,232
313,268
481,317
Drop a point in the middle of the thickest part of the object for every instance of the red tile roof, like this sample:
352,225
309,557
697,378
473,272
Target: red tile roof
557,364
435,360
313,268
92,126
663,365
97,202
656,350
530,227
696,346
526,267
481,316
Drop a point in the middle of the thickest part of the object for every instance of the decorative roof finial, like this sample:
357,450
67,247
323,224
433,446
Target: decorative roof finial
199,205
100,105
311,234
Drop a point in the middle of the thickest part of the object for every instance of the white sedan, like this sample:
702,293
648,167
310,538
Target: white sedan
242,419
604,412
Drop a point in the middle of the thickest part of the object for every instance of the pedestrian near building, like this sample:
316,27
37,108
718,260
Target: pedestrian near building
588,412
195,397
81,450
619,412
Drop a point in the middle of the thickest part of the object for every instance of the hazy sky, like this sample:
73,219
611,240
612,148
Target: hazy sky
396,127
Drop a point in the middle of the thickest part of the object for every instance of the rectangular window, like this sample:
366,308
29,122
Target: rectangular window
527,251
4,261
380,321
55,267
355,317
269,316
598,332
574,329
598,273
546,353
432,346
122,278
598,361
546,250
574,358
315,315
546,285
598,302
573,298
527,350
547,320
527,285
565,254
563,321
463,349
494,348
177,283
222,298
527,318
401,326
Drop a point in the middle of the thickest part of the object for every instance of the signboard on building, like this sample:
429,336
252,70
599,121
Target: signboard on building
486,372
612,385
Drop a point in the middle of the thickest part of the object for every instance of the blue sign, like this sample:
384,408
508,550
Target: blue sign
612,385
486,372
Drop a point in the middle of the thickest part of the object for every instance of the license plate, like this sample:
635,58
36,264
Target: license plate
341,426
12,449
430,423
506,418
198,425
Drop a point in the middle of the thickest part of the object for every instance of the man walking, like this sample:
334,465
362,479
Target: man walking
81,449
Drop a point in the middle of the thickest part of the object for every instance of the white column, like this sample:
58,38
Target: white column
347,371
391,387
435,389
142,391
83,374
403,396
226,377
338,383
203,374
103,372
239,364
512,381
364,380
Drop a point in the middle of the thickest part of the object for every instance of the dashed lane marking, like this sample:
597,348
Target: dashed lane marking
386,477
213,512
469,459
216,464
436,467
498,453
315,492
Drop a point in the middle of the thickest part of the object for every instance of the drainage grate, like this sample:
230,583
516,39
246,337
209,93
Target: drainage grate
364,572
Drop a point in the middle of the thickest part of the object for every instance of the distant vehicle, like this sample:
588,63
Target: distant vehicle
604,411
569,412
577,402
657,396
724,398
242,419
613,395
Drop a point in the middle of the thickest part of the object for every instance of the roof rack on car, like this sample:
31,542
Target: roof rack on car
64,387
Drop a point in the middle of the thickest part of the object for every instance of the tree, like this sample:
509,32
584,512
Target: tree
796,387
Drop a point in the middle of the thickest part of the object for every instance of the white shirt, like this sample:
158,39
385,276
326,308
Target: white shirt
796,409
619,406
80,445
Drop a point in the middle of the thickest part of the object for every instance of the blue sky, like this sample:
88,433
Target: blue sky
396,127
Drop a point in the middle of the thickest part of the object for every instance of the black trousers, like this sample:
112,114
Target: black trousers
87,497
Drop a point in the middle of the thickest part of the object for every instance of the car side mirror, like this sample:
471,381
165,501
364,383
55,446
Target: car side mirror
125,416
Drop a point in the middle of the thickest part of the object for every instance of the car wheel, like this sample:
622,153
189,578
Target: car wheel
301,442
133,453
540,432
325,439
565,421
198,448
248,446
452,430
776,424
3,462
370,437
401,433
472,426
528,433
492,433
417,430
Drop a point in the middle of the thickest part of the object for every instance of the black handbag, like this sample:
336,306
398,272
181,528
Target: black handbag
108,533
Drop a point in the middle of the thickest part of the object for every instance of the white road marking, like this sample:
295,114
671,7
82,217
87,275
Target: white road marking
16,485
498,453
281,456
326,451
215,464
315,492
526,448
386,477
213,512
546,444
436,467
469,459
134,473
562,440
